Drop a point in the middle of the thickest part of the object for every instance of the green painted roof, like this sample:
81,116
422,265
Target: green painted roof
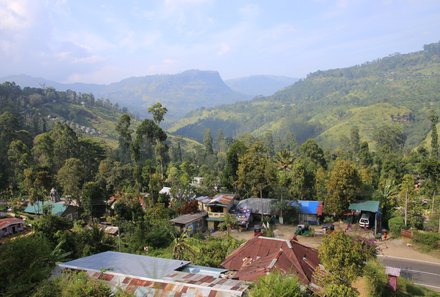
369,205
58,208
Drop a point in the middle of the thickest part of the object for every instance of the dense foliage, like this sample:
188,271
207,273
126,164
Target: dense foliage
275,284
122,183
396,90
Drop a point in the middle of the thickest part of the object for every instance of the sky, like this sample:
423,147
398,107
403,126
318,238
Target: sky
96,41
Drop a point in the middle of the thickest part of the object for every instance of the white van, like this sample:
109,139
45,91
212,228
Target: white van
364,222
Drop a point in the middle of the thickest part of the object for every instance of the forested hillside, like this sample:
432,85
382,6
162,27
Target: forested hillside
180,92
398,90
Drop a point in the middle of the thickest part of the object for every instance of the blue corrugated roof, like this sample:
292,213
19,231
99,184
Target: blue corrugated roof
306,206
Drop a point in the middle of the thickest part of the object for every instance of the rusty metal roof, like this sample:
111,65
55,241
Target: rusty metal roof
176,284
9,221
223,199
260,255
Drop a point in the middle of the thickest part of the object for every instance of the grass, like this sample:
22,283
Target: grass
406,288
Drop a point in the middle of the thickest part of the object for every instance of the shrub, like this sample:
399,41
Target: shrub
334,290
276,284
376,278
24,263
396,224
429,239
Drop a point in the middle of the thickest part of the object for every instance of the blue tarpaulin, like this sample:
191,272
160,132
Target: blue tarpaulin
308,206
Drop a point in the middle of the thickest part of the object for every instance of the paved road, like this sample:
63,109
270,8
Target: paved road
420,272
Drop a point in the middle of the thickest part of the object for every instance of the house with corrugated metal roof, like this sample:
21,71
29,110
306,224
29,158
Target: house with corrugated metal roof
191,223
217,209
260,255
150,276
61,209
309,211
202,202
9,226
251,209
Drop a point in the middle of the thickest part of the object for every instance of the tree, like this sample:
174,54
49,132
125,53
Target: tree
147,135
182,248
36,183
389,139
342,187
123,129
9,126
92,195
71,176
235,151
24,263
43,150
355,142
207,141
256,172
158,112
311,149
19,159
434,136
65,144
302,178
91,152
343,258
275,284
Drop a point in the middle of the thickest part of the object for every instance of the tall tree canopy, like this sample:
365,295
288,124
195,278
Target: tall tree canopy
342,187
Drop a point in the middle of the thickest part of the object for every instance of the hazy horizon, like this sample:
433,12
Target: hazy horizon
103,42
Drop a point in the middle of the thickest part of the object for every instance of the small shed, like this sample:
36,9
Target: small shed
370,207
191,223
9,226
310,211
393,273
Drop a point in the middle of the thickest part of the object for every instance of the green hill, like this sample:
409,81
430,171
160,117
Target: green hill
396,90
180,93
39,109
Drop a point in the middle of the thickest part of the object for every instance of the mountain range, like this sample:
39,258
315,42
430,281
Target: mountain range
259,85
180,93
397,90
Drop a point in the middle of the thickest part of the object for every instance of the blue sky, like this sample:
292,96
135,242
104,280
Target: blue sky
105,41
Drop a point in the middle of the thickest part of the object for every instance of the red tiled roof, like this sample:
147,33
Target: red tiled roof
263,254
9,221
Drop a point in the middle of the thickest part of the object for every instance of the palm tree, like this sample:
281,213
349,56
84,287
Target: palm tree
284,160
182,247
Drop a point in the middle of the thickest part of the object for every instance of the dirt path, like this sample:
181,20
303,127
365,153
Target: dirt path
399,247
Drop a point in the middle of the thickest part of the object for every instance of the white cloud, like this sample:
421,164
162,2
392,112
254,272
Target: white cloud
224,49
16,15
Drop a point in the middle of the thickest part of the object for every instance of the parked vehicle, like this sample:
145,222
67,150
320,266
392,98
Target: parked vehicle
328,228
364,222
302,230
